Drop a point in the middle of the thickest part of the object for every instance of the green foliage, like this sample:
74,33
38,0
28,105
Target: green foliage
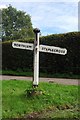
70,63
16,24
14,59
16,105
0,25
29,72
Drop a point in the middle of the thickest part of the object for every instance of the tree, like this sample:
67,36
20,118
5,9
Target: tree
0,25
16,24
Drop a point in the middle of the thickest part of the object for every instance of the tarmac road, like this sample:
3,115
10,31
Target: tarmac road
50,80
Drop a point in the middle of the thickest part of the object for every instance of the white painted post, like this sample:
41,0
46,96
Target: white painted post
36,58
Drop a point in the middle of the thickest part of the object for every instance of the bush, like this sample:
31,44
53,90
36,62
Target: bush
15,59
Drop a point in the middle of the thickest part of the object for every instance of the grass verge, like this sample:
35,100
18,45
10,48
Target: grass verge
57,101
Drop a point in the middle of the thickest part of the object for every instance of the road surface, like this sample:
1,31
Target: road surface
50,80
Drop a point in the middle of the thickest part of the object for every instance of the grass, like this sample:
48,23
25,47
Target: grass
30,73
57,101
0,99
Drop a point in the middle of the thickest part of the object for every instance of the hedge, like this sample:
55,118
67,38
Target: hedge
17,59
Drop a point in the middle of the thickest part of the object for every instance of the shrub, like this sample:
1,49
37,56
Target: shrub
14,59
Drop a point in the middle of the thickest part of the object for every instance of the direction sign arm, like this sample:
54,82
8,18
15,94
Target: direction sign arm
53,49
21,45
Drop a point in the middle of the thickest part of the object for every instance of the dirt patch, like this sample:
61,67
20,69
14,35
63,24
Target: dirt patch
61,113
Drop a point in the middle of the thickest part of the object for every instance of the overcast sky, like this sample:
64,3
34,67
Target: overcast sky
50,17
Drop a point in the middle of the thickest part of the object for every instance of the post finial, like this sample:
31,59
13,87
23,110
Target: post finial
36,30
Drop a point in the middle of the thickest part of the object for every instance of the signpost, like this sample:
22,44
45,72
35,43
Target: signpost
20,45
38,48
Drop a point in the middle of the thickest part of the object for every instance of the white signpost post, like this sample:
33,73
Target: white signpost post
38,48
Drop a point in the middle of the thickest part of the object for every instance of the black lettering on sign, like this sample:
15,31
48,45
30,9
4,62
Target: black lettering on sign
16,45
63,51
22,45
43,48
29,46
56,50
51,50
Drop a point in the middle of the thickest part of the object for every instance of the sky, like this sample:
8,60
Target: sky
51,17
